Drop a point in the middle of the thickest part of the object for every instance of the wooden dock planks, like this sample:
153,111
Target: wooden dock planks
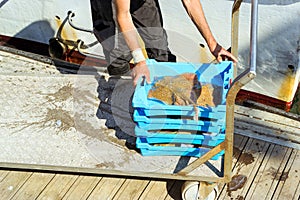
33,186
58,187
269,173
12,182
289,185
82,187
131,189
106,188
272,172
157,190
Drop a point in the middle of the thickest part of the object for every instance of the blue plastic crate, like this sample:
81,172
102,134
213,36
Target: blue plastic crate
151,150
154,117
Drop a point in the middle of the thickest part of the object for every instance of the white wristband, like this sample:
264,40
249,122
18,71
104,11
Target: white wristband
138,55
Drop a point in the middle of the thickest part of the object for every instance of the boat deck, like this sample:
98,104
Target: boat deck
48,118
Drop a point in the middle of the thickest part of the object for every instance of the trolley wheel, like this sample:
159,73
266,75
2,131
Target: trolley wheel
194,190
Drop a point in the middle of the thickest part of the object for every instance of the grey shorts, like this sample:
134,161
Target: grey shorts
147,18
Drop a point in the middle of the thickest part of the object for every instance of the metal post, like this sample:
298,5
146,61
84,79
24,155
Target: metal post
237,84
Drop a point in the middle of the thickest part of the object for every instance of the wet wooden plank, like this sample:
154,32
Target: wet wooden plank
268,175
250,162
82,187
289,186
33,186
131,189
58,186
12,183
238,146
106,188
280,175
297,193
247,165
157,190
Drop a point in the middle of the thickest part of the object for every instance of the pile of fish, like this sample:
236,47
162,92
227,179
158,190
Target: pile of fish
185,89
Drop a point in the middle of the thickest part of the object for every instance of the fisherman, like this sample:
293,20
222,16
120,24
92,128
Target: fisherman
138,20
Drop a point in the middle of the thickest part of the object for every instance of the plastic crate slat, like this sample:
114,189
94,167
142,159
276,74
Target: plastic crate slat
150,150
204,141
161,120
187,135
212,129
158,110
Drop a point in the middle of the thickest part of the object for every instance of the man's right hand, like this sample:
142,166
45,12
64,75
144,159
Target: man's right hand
140,70
221,54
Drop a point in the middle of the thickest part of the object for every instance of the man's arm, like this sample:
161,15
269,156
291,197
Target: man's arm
195,11
132,39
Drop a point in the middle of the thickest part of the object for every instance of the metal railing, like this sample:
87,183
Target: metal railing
239,81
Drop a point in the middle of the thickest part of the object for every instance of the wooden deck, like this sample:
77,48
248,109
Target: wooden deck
272,172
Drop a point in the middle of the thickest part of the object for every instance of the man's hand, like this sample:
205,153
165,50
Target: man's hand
140,70
221,54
